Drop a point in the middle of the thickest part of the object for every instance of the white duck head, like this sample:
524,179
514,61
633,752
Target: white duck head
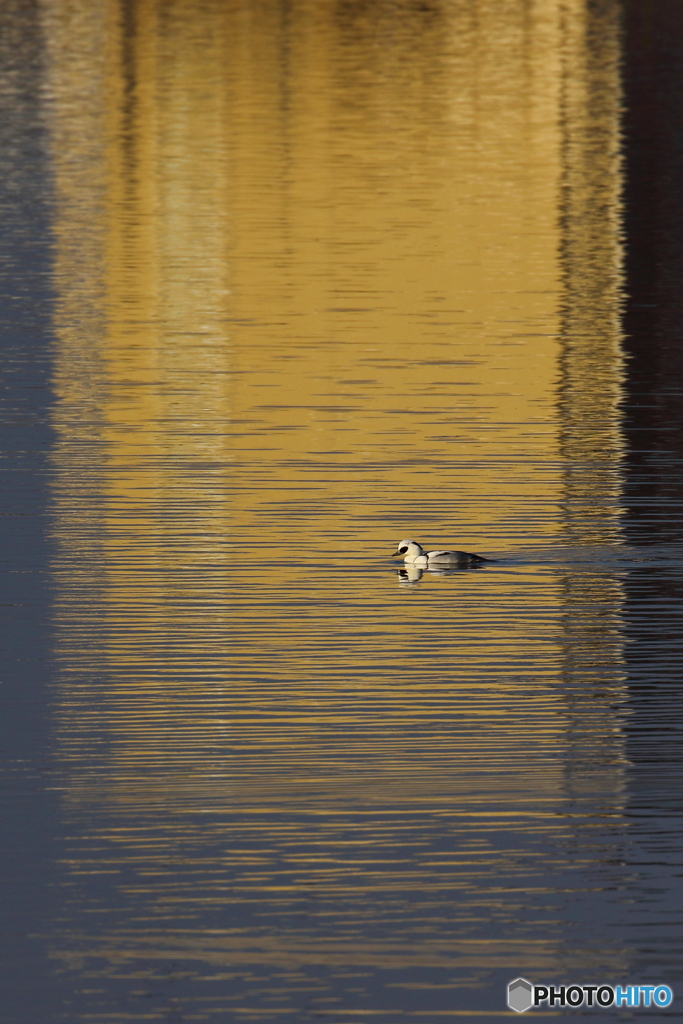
409,550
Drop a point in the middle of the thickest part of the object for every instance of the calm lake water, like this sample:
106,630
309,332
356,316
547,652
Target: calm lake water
284,282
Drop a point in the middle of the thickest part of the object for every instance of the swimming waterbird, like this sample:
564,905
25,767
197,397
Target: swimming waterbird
413,554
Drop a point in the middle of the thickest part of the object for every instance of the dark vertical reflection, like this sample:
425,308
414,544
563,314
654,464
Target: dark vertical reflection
24,409
653,421
653,144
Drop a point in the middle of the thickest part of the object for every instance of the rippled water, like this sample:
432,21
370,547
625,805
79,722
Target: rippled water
284,283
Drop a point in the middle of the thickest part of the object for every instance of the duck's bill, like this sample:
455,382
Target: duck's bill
396,554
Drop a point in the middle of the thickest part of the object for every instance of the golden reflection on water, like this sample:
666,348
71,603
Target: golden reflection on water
591,258
591,374
321,279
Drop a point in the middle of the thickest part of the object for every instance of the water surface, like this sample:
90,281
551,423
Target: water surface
302,280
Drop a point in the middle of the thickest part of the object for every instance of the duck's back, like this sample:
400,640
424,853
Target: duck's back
455,557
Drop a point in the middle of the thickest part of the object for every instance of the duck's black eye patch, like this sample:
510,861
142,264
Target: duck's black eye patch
402,550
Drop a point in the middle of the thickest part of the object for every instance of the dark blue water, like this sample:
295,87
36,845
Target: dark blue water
30,817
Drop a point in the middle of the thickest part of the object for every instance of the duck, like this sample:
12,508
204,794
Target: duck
414,554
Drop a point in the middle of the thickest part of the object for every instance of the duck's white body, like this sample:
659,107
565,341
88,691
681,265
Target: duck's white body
413,554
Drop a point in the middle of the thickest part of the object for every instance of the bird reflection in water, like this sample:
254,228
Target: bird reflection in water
412,573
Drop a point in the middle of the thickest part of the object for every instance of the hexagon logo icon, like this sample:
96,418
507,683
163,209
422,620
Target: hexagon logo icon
520,995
